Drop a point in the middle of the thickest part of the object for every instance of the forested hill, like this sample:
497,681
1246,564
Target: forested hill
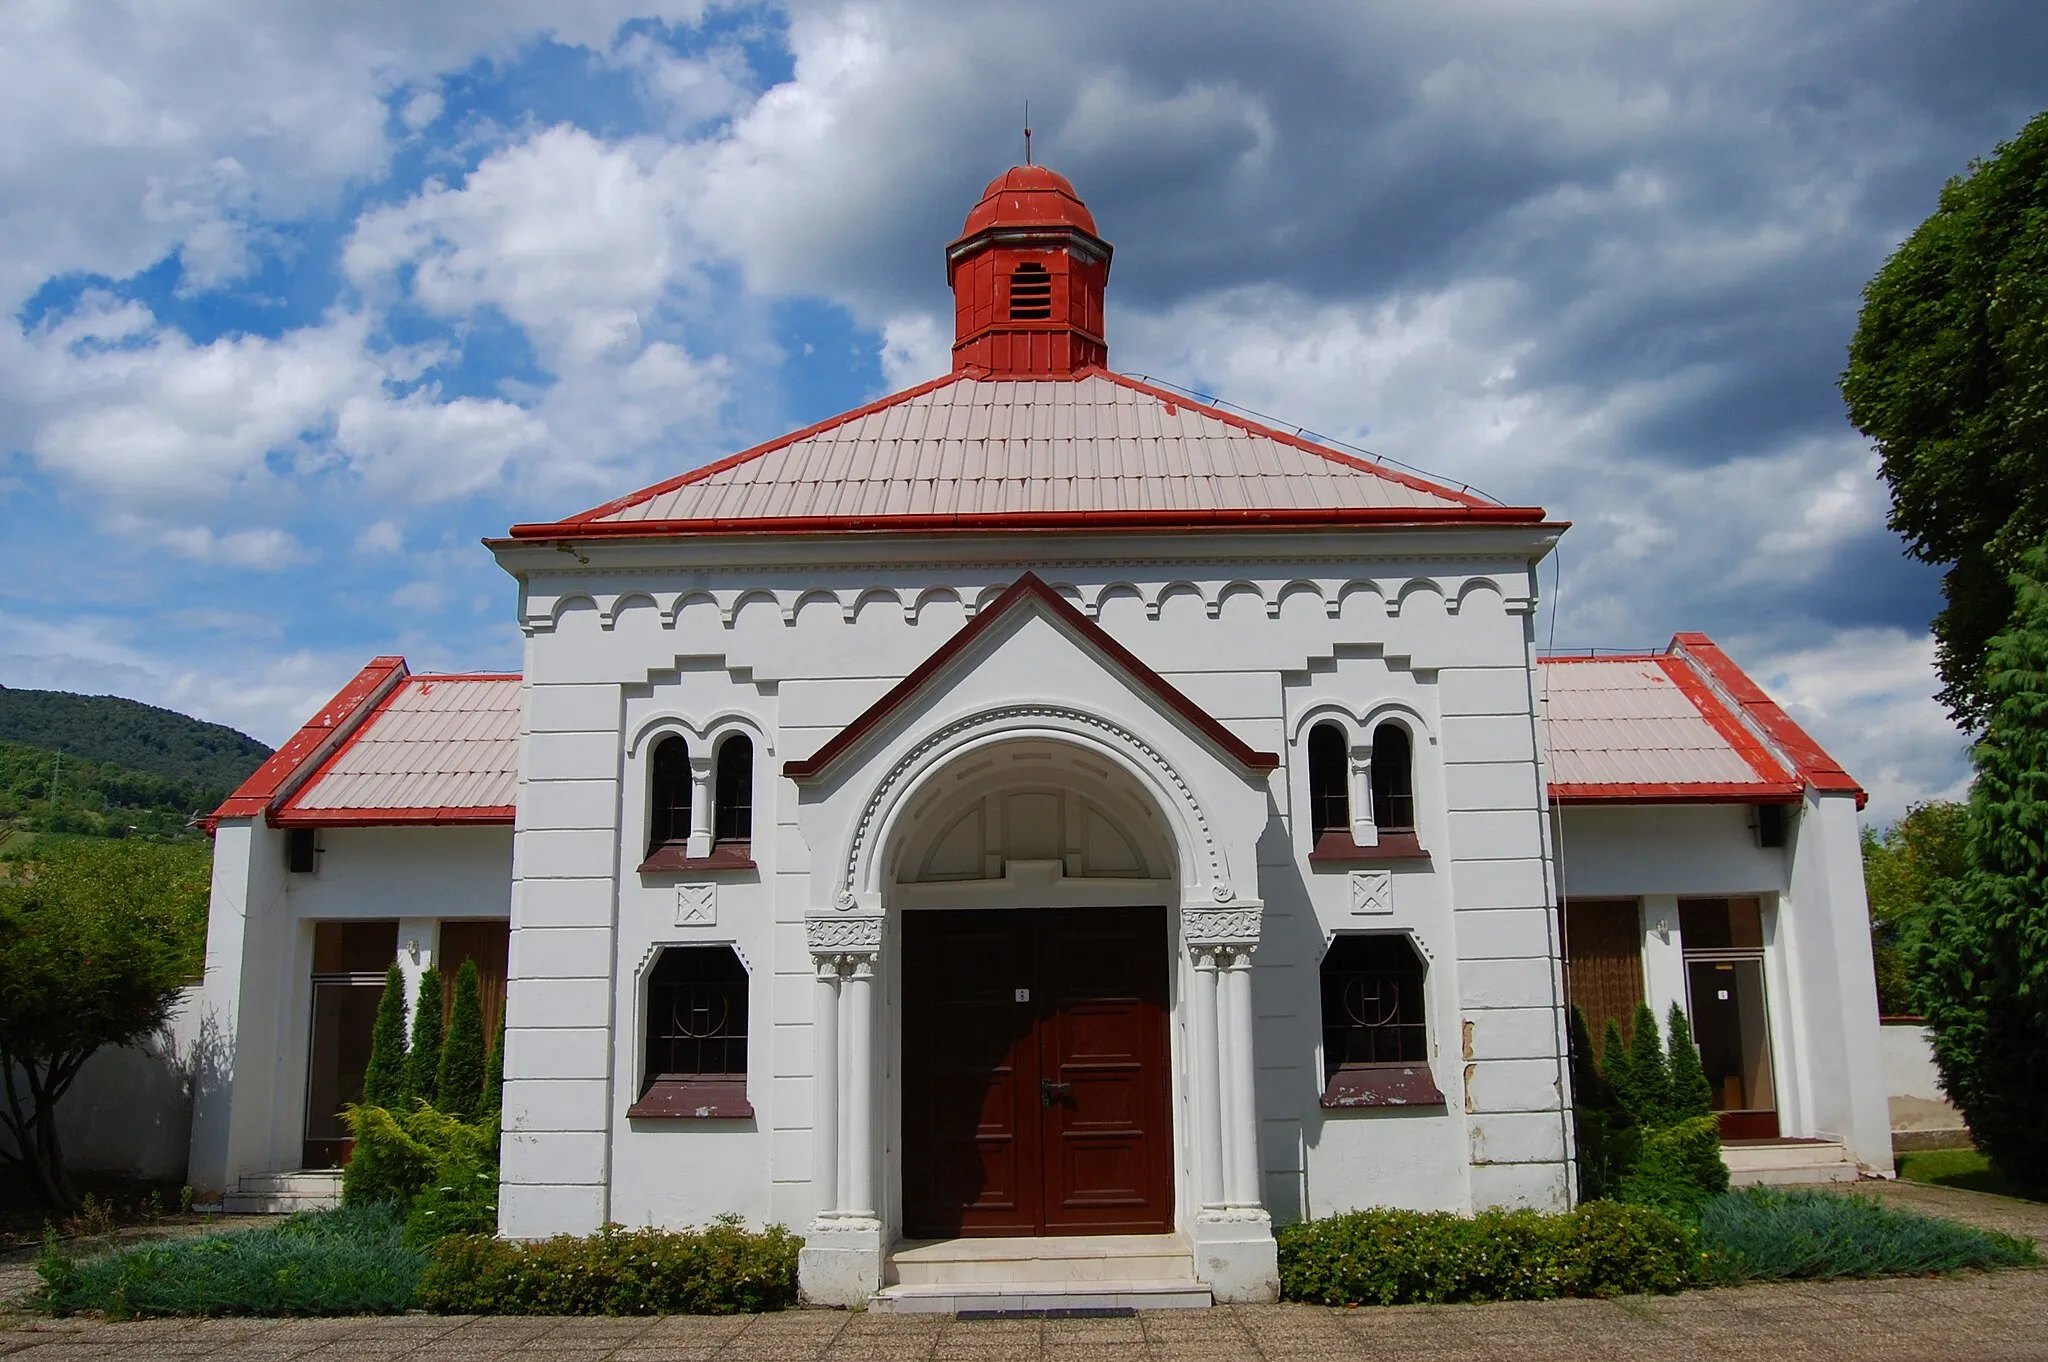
106,729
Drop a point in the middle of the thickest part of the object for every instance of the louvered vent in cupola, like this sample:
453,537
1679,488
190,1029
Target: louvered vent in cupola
1030,293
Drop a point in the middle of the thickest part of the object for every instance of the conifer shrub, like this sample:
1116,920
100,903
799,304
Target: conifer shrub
721,1269
1980,967
347,1262
438,1173
384,1078
1391,1257
459,1089
1642,1118
1765,1234
494,1077
423,1058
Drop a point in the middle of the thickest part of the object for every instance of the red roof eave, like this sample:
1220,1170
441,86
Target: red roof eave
490,814
1249,518
288,768
1728,792
1031,588
1814,765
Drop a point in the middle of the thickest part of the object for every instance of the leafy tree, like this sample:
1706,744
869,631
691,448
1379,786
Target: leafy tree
1691,1094
1981,964
106,729
461,1083
96,939
384,1078
1948,373
423,1058
1903,870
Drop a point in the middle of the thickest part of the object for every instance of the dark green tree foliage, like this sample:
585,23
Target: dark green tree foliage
1904,868
95,941
1642,1085
494,1077
1948,373
1691,1094
461,1085
106,729
384,1079
1597,1120
423,1058
45,791
1614,1061
1981,965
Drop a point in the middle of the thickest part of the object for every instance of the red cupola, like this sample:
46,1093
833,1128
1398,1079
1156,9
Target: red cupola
1027,276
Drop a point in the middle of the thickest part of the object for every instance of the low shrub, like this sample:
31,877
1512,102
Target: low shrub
438,1172
1389,1257
346,1262
1762,1234
722,1269
1678,1168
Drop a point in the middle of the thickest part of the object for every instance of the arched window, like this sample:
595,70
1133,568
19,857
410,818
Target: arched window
733,796
695,1065
1375,1029
1329,797
1393,779
1030,293
668,812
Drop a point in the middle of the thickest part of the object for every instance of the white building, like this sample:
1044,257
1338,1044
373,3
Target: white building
1041,827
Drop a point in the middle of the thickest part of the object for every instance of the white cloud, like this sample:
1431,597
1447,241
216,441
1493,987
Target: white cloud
914,348
265,550
381,537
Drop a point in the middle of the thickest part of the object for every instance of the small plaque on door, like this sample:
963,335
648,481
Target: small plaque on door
1023,995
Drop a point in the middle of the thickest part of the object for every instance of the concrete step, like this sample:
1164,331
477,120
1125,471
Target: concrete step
283,1193
1065,1272
1754,1163
1113,1295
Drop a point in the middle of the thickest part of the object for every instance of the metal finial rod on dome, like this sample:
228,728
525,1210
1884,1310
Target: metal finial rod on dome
1027,132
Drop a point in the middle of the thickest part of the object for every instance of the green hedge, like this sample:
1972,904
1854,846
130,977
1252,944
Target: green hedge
349,1262
722,1269
1388,1257
1762,1234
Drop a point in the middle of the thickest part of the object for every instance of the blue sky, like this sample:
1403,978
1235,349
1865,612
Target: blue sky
307,300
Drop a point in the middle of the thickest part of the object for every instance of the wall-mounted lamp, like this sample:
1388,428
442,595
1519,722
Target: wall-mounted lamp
412,948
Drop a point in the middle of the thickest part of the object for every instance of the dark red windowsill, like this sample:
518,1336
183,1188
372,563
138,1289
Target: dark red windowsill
724,856
1382,1085
1393,846
693,1099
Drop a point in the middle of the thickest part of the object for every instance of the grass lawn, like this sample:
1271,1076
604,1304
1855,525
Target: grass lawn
1963,1168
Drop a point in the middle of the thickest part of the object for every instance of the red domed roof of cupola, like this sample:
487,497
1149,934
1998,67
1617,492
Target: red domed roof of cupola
1029,196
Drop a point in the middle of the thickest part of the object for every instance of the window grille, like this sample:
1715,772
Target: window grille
668,815
697,1015
1328,778
1372,1004
733,819
1393,778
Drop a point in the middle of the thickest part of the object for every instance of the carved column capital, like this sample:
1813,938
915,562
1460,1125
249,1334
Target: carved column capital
844,937
1222,931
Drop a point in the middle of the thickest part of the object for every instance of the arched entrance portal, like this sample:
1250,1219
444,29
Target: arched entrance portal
1031,883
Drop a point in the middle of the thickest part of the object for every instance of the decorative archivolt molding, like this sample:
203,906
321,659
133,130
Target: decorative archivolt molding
1389,594
864,829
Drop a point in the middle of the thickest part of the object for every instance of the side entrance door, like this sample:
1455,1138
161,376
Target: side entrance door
1035,1073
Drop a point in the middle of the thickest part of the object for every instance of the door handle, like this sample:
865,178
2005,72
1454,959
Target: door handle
1050,1092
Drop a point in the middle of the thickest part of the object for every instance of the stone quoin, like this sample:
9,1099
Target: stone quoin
1033,833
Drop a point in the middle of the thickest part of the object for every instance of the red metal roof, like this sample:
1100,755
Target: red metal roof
1680,726
289,765
437,749
1028,196
1095,451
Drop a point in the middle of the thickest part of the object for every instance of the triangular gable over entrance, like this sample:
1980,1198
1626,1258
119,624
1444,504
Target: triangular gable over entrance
1027,591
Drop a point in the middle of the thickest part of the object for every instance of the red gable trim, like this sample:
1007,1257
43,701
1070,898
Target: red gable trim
1651,792
1731,729
1815,766
363,818
289,766
1031,587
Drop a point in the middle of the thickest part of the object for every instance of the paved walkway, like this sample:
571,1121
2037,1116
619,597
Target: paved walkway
1996,1317
1993,1318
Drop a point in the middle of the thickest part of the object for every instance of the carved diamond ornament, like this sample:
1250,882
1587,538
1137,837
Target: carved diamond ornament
1372,892
696,905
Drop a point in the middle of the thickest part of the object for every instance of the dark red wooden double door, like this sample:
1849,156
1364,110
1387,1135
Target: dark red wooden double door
1035,1074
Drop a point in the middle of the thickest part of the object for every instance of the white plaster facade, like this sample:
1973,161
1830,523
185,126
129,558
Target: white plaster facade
1085,709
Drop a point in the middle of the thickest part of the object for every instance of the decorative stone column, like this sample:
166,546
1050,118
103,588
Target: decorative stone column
1233,1235
841,1262
1364,831
699,844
